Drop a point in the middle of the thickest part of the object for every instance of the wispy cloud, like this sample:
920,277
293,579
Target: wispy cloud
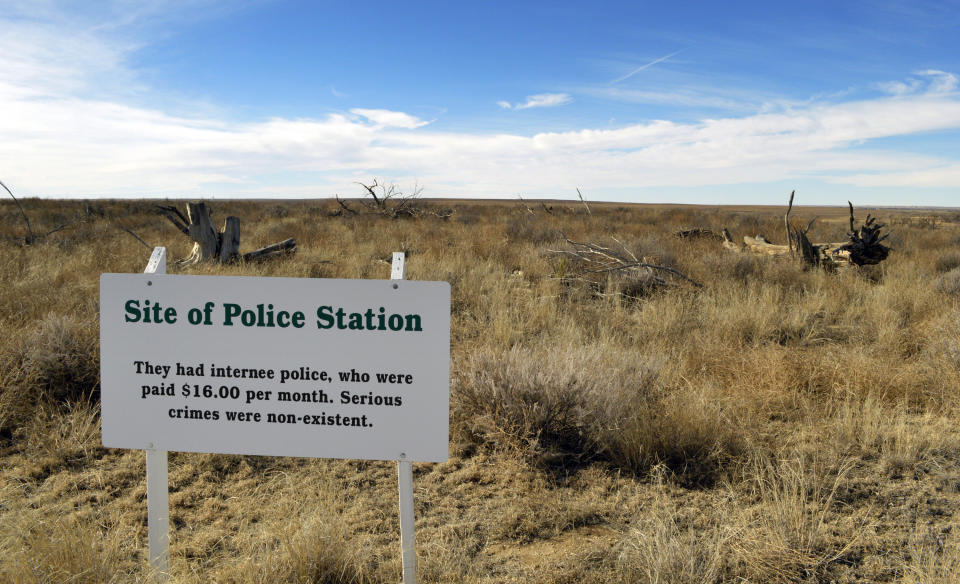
539,100
679,97
926,81
390,119
642,67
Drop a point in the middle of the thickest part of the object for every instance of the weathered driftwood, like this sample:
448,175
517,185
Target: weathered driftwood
863,247
211,245
728,241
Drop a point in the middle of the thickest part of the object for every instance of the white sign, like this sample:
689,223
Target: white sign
276,366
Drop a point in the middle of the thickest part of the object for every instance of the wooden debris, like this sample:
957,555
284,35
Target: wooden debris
211,245
589,212
865,247
759,245
593,264
698,233
729,243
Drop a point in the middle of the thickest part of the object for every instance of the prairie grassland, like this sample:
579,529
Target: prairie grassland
775,425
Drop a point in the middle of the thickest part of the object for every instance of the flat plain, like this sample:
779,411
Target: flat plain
752,421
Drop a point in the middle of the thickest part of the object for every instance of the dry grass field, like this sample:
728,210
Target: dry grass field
774,425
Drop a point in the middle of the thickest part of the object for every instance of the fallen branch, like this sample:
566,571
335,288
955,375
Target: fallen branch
134,235
584,202
345,207
526,206
286,246
593,259
29,239
786,223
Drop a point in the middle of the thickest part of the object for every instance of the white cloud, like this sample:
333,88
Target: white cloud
69,129
390,119
539,100
940,81
934,176
927,81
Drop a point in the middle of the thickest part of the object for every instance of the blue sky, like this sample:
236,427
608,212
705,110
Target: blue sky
695,102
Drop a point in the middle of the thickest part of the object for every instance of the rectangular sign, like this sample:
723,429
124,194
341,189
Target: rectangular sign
276,366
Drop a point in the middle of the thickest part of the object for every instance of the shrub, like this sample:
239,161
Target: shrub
57,361
949,283
575,404
947,262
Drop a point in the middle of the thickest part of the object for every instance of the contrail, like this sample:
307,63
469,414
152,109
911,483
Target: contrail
642,67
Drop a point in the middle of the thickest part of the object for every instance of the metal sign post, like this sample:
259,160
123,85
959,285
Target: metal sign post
405,477
158,502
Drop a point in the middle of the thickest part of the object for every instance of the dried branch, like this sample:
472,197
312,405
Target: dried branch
370,191
811,253
584,202
596,259
345,207
390,201
176,217
56,229
526,206
135,236
30,238
786,223
284,247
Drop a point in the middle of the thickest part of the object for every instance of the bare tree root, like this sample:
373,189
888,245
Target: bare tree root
865,247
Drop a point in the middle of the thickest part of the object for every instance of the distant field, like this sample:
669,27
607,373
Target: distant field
751,421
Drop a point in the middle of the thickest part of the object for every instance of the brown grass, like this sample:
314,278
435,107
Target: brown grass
776,425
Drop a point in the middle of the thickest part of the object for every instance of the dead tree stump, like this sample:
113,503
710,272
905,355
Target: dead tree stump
210,245
863,248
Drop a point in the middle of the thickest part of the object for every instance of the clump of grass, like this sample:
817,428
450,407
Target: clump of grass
526,228
949,282
533,400
56,361
932,557
662,546
591,403
60,357
947,261
790,537
69,549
